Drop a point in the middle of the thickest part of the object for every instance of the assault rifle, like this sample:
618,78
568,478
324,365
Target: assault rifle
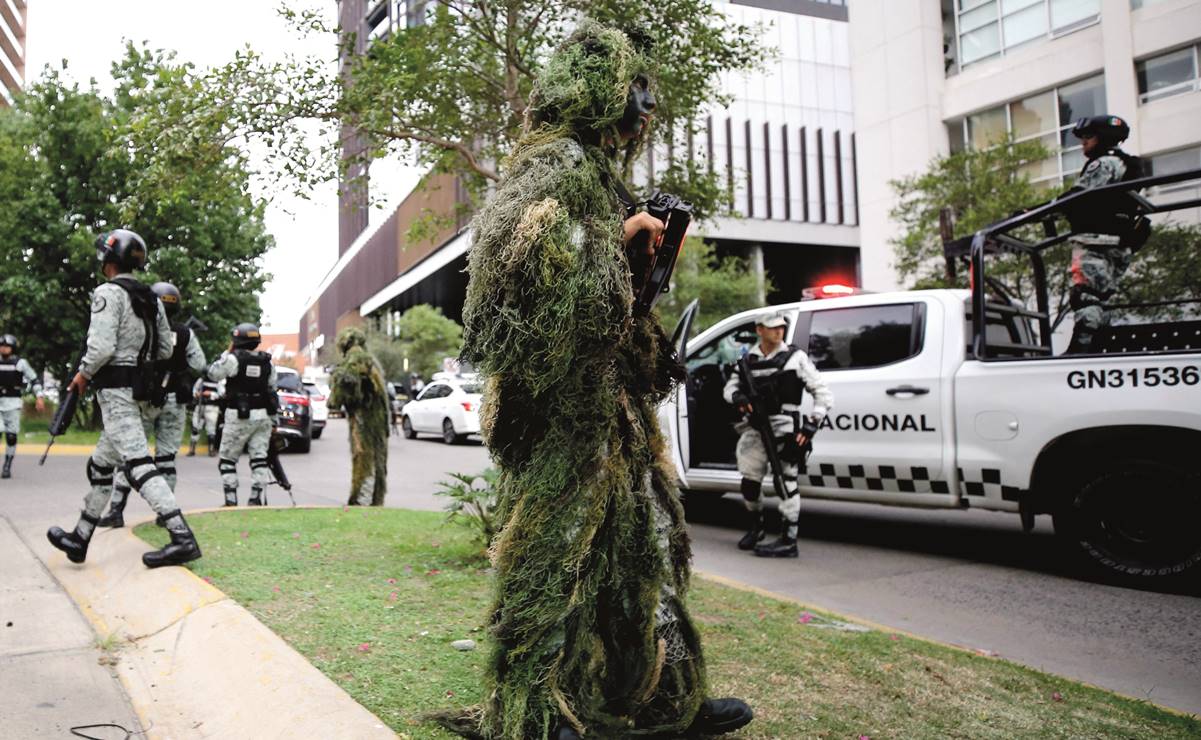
62,419
760,421
196,325
651,273
274,447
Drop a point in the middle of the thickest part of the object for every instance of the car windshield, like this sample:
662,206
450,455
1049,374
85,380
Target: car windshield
472,387
288,382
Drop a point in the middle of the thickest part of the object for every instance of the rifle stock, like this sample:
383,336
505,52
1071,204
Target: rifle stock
276,446
761,423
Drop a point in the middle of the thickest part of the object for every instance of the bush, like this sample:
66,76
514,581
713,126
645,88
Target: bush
472,502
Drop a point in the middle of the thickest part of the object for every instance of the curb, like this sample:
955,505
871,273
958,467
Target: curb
194,662
739,585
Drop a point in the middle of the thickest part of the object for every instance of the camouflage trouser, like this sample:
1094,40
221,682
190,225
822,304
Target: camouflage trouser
754,466
205,417
254,435
10,424
166,424
123,443
1097,265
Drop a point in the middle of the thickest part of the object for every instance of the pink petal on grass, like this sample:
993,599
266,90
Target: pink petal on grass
316,545
276,589
432,572
296,535
805,618
894,638
1056,696
364,647
864,737
408,569
206,579
435,544
391,581
245,535
345,508
393,596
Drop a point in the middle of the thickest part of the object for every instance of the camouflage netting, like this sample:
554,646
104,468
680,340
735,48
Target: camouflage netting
357,385
592,561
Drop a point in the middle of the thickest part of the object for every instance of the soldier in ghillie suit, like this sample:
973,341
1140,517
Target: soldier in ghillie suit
358,386
592,637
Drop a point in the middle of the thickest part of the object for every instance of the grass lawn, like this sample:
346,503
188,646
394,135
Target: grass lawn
374,598
33,431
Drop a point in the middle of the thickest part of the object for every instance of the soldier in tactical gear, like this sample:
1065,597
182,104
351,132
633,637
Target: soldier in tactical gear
1106,235
784,373
15,376
127,335
207,394
250,409
167,412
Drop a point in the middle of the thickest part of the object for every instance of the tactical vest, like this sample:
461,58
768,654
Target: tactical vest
11,379
174,375
1117,213
779,387
249,388
142,376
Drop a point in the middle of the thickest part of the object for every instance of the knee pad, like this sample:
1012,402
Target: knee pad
99,475
165,463
751,489
227,466
258,463
137,481
790,508
10,438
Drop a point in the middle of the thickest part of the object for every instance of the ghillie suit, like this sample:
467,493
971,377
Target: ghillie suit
592,559
358,386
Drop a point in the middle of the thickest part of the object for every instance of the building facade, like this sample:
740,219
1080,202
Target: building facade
13,15
785,146
934,76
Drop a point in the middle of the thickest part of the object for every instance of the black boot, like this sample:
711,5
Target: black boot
755,534
182,548
75,544
719,716
231,496
785,547
8,467
116,510
256,497
192,448
212,450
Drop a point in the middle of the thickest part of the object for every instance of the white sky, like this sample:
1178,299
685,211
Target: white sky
91,34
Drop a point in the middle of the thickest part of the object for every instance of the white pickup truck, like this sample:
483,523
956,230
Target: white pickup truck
933,409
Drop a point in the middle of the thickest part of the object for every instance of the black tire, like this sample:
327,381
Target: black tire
1138,519
449,436
407,427
300,444
317,432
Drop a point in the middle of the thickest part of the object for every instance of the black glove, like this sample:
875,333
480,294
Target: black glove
739,399
809,428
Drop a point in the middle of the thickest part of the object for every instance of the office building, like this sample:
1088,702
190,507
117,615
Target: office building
13,14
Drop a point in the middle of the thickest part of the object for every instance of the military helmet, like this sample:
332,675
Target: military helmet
246,336
1111,130
8,340
169,295
123,248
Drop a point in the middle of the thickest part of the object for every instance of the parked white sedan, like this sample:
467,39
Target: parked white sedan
447,407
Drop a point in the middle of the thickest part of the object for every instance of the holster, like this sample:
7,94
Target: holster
243,406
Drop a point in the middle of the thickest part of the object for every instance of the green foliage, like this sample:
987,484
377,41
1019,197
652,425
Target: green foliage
724,286
1167,268
74,163
426,337
472,503
453,93
980,186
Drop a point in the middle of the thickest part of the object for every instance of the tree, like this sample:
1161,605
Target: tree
74,163
426,337
724,286
451,93
983,186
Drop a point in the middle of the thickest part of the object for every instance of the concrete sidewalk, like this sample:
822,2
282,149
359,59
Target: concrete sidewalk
50,652
193,662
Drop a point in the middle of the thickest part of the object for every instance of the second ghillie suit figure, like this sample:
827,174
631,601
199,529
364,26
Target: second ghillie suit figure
592,636
128,333
250,409
15,376
357,385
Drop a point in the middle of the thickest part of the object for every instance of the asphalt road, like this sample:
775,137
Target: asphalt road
969,578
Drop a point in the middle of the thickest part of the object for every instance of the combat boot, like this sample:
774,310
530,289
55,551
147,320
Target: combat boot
116,510
784,547
231,496
8,467
755,534
181,549
212,450
256,497
192,448
75,544
719,716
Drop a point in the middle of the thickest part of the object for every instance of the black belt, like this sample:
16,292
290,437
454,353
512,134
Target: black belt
115,376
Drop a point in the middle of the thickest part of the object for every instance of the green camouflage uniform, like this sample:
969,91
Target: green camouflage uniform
1098,260
357,385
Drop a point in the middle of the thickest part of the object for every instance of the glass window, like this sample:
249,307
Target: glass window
978,18
1081,100
980,43
987,127
288,382
871,336
1170,163
1034,115
955,134
1069,14
1167,74
725,349
1025,25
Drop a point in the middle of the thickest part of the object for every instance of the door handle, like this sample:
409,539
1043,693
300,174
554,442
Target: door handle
909,389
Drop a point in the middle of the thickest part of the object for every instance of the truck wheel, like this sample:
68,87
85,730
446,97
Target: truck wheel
1139,519
317,432
407,427
300,444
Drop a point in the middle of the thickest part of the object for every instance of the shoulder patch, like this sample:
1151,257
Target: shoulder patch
98,303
